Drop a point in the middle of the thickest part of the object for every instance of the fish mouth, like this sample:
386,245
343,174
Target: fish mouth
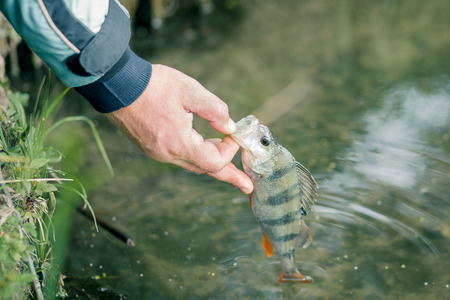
245,127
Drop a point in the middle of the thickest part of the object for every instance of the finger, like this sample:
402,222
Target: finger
207,156
227,148
229,174
210,107
214,141
210,156
217,163
235,177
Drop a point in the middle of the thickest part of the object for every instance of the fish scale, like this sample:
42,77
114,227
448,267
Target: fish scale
283,192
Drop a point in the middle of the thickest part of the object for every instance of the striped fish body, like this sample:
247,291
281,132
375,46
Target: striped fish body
283,191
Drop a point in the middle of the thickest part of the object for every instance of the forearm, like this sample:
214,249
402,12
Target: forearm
89,51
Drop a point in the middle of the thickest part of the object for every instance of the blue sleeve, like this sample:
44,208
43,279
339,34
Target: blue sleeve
97,62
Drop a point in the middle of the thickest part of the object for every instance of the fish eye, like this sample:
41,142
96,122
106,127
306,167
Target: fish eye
265,141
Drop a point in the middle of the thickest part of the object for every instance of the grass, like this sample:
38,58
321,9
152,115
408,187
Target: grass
30,188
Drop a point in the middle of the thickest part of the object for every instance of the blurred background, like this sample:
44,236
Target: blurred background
366,88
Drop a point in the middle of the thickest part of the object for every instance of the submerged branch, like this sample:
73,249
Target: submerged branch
114,231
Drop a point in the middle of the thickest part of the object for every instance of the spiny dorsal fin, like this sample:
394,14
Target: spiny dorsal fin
308,186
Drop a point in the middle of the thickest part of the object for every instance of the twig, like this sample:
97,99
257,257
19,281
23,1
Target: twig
114,231
9,158
33,180
36,283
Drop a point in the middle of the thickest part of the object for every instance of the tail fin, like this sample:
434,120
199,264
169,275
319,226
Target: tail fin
294,277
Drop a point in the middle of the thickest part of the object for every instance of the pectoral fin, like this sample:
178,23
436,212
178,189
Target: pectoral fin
308,186
305,237
267,245
250,196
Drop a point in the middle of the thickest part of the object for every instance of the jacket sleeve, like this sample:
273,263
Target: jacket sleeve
85,43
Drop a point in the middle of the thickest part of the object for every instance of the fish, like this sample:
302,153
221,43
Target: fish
284,191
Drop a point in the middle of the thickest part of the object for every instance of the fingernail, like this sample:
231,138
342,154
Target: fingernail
232,126
245,190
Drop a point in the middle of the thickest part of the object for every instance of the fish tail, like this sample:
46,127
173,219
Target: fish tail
294,276
289,271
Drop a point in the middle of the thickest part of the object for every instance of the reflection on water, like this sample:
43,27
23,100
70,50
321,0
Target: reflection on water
396,147
393,155
374,132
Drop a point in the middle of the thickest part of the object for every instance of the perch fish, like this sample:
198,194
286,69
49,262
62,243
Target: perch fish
283,192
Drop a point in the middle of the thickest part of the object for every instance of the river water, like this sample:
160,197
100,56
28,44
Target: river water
373,128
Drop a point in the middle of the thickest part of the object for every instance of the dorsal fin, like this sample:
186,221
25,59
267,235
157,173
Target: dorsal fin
308,186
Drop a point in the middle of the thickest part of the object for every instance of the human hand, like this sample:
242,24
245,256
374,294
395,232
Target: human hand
159,122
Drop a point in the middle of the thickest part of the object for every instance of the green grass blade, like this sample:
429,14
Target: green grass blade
38,96
94,133
82,194
43,118
56,101
18,107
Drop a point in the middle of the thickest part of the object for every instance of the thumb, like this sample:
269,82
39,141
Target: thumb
211,108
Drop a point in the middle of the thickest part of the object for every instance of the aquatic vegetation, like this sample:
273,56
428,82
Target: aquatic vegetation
29,188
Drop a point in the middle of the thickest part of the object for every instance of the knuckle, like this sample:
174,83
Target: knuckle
174,149
211,166
222,108
163,147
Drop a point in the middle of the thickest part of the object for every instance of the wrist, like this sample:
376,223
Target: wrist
121,86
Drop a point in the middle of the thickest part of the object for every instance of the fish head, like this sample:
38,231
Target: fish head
258,143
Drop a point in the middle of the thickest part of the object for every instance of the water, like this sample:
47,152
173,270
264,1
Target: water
373,130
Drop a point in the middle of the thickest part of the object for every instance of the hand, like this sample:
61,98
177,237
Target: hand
159,122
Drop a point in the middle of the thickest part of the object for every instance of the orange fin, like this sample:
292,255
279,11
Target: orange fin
267,245
250,196
294,277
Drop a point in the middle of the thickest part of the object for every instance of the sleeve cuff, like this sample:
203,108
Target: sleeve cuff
121,86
